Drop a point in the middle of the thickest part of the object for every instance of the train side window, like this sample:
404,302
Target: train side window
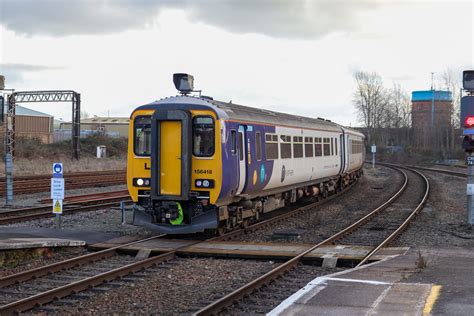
335,142
308,147
203,136
326,147
233,142
318,147
285,147
271,146
241,147
142,136
297,146
332,146
258,145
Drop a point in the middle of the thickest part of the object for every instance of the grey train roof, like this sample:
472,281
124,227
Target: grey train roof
234,111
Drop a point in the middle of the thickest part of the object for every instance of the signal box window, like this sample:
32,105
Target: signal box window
142,136
271,146
203,136
285,147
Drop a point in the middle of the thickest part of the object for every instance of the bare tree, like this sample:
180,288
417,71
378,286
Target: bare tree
370,100
452,83
399,107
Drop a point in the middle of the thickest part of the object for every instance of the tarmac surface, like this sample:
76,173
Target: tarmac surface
396,286
90,237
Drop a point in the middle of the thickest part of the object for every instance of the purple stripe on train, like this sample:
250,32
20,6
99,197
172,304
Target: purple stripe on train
258,173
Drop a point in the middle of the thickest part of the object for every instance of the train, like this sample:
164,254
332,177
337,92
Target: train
196,164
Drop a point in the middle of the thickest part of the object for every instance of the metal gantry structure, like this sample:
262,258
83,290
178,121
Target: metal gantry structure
44,96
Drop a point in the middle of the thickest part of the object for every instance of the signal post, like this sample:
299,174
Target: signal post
467,121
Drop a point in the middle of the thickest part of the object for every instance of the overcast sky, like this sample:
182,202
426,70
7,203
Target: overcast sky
285,55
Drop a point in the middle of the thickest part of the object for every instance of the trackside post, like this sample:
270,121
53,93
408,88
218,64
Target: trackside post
374,150
467,122
57,191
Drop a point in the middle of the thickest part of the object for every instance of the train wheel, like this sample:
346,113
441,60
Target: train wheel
221,231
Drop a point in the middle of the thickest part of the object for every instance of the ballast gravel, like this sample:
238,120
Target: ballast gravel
443,220
317,224
182,287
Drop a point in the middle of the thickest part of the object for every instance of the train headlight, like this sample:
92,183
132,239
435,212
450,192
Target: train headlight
204,183
141,182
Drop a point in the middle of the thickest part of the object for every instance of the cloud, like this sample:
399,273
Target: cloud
276,18
14,73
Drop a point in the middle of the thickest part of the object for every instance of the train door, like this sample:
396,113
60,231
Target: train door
342,152
241,144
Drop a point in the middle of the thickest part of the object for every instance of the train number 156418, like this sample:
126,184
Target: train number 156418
202,171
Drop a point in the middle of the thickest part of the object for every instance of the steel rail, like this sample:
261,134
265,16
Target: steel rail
448,172
46,211
405,223
74,287
48,296
229,299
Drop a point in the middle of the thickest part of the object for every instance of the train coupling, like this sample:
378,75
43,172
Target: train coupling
170,212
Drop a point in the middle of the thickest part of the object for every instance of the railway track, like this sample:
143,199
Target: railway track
39,286
262,293
42,183
75,204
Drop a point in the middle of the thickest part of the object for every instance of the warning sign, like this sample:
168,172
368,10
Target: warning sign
57,206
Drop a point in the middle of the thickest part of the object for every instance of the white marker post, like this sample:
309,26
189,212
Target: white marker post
57,191
374,150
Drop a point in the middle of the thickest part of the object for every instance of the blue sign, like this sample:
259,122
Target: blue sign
57,170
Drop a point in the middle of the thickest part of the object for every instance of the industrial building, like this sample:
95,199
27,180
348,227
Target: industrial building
431,119
31,123
111,126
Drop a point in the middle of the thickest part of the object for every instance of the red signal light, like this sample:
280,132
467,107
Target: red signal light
469,122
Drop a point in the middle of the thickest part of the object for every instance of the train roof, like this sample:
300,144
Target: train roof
232,111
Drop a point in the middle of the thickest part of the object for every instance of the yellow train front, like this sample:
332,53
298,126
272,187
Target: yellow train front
174,167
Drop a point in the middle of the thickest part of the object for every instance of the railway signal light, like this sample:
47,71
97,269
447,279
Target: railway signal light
468,80
467,111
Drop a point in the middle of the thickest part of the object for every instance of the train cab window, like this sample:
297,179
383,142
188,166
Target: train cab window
271,146
318,147
203,136
258,145
297,146
142,136
326,147
233,142
308,147
285,147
